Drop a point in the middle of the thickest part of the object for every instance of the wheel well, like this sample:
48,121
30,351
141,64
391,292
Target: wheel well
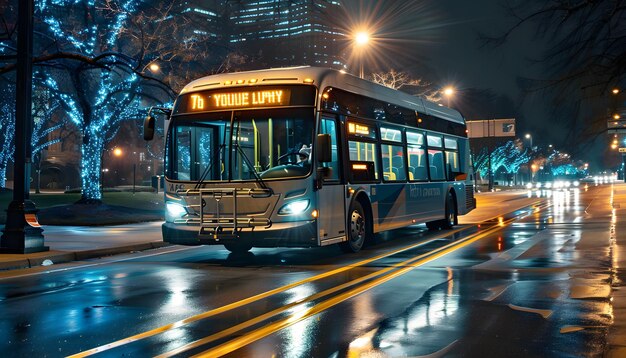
367,207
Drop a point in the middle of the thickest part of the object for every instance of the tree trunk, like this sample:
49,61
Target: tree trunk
90,165
3,174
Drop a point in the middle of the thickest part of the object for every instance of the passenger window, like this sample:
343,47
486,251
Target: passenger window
393,162
435,158
416,156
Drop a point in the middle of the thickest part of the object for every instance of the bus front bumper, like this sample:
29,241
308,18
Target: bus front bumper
285,234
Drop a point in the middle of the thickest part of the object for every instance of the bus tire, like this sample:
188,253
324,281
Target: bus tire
451,215
237,247
449,219
358,228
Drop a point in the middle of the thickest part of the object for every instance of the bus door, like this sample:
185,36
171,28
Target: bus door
330,198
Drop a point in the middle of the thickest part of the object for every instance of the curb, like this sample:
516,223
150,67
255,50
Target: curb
58,257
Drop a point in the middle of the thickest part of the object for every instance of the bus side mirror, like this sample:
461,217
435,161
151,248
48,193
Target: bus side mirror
148,128
323,148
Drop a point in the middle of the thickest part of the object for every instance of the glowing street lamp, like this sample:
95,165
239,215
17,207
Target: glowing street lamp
530,138
361,40
615,90
449,92
117,152
154,67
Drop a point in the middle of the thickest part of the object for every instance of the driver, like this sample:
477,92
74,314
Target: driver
303,156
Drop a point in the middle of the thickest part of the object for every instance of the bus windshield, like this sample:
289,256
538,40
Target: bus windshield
267,144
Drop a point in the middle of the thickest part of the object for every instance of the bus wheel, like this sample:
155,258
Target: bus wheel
358,229
237,247
450,218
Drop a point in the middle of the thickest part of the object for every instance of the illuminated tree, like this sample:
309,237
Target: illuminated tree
97,63
508,156
515,157
43,109
7,131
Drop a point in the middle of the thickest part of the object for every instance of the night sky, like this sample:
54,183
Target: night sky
440,41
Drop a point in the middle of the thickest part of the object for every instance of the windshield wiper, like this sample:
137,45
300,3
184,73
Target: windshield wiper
207,170
249,164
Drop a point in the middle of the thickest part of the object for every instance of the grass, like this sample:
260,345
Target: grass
140,201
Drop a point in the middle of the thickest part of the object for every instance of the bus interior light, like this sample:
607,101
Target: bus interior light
294,208
254,80
359,166
228,82
315,214
240,82
308,80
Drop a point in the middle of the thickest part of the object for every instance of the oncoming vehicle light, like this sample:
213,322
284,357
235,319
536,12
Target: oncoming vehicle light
294,208
175,210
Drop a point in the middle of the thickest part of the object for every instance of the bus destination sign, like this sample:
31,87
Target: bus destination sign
238,99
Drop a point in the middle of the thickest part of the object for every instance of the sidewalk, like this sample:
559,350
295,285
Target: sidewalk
75,243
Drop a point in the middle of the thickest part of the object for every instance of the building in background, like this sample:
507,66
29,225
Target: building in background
275,33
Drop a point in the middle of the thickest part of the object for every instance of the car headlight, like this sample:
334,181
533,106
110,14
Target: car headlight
294,208
175,210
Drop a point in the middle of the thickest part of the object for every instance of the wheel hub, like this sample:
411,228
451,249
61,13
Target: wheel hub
357,226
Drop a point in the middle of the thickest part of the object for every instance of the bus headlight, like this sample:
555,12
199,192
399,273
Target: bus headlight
294,208
175,210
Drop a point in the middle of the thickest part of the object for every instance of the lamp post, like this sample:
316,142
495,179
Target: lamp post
361,39
22,233
530,139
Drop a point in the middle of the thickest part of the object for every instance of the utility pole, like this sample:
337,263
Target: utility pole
22,233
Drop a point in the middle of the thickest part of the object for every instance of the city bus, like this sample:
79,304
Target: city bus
307,157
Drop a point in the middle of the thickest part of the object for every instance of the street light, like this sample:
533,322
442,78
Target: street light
154,67
530,138
449,92
361,40
615,90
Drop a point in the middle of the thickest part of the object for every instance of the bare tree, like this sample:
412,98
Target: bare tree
400,80
585,59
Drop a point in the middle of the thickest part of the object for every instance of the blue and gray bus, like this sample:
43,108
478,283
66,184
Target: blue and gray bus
304,157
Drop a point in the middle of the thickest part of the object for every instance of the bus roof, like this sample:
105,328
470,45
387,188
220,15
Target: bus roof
324,77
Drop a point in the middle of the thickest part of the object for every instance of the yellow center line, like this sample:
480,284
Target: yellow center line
263,317
249,300
262,332
256,298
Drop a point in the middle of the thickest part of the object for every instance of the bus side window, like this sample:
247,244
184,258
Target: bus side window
329,126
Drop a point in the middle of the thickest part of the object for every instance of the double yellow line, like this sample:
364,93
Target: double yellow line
377,278
400,269
251,299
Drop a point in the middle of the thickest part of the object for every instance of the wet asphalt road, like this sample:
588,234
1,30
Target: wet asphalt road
533,283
